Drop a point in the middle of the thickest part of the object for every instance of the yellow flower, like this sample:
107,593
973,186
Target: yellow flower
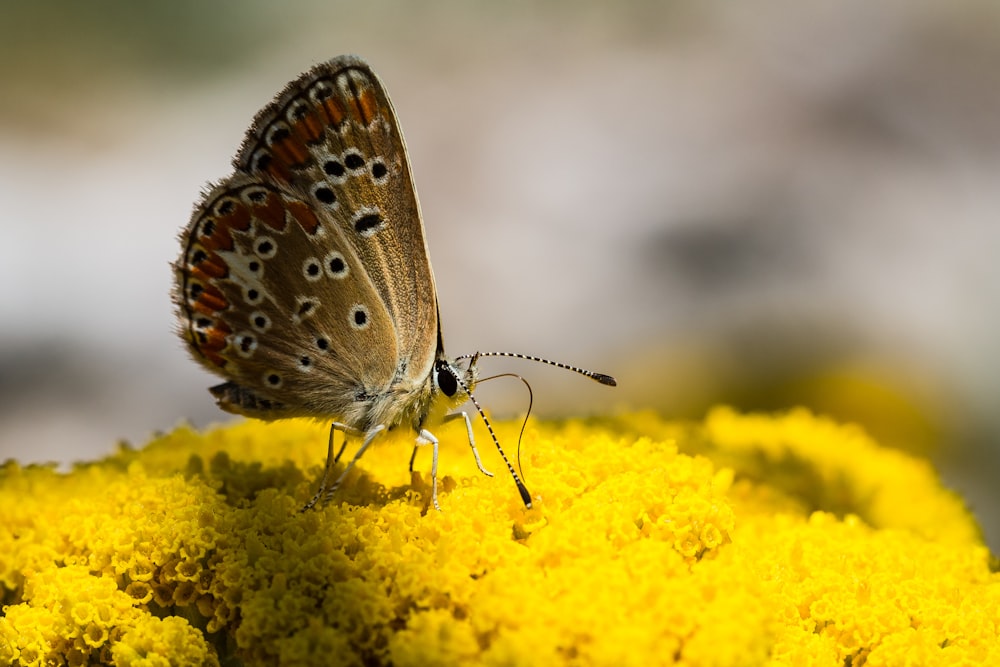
742,540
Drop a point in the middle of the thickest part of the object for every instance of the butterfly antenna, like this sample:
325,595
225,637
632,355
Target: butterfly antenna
521,488
524,424
600,377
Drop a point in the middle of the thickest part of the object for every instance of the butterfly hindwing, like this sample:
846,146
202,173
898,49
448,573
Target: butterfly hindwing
273,297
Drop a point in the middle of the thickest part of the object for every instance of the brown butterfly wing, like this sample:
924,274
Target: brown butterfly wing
304,278
332,136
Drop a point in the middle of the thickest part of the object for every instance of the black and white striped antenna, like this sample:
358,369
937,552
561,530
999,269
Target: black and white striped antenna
599,377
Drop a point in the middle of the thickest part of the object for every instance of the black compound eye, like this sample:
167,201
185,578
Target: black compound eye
446,381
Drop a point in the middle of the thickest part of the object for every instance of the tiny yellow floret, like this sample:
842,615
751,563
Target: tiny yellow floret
781,539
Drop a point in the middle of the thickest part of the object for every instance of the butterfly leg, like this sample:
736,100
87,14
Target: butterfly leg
472,440
369,437
332,460
413,456
426,437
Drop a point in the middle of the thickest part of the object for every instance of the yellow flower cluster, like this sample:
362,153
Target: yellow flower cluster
743,540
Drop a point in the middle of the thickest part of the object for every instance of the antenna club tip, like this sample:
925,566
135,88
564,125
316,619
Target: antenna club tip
525,496
605,379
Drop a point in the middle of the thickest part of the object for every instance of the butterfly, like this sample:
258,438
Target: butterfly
304,278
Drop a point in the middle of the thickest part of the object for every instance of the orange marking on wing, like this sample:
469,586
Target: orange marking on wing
238,218
211,268
272,212
335,111
213,291
309,128
210,301
215,339
199,275
220,239
278,170
304,216
290,151
367,106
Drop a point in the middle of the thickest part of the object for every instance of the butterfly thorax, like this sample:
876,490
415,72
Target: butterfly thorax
405,401
416,403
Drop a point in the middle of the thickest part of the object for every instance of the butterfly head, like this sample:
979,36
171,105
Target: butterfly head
451,385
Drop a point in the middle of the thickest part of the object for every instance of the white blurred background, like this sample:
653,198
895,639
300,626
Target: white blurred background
764,204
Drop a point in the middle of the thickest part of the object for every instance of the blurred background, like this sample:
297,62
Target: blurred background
764,204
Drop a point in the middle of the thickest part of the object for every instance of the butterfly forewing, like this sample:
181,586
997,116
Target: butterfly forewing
304,278
333,138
